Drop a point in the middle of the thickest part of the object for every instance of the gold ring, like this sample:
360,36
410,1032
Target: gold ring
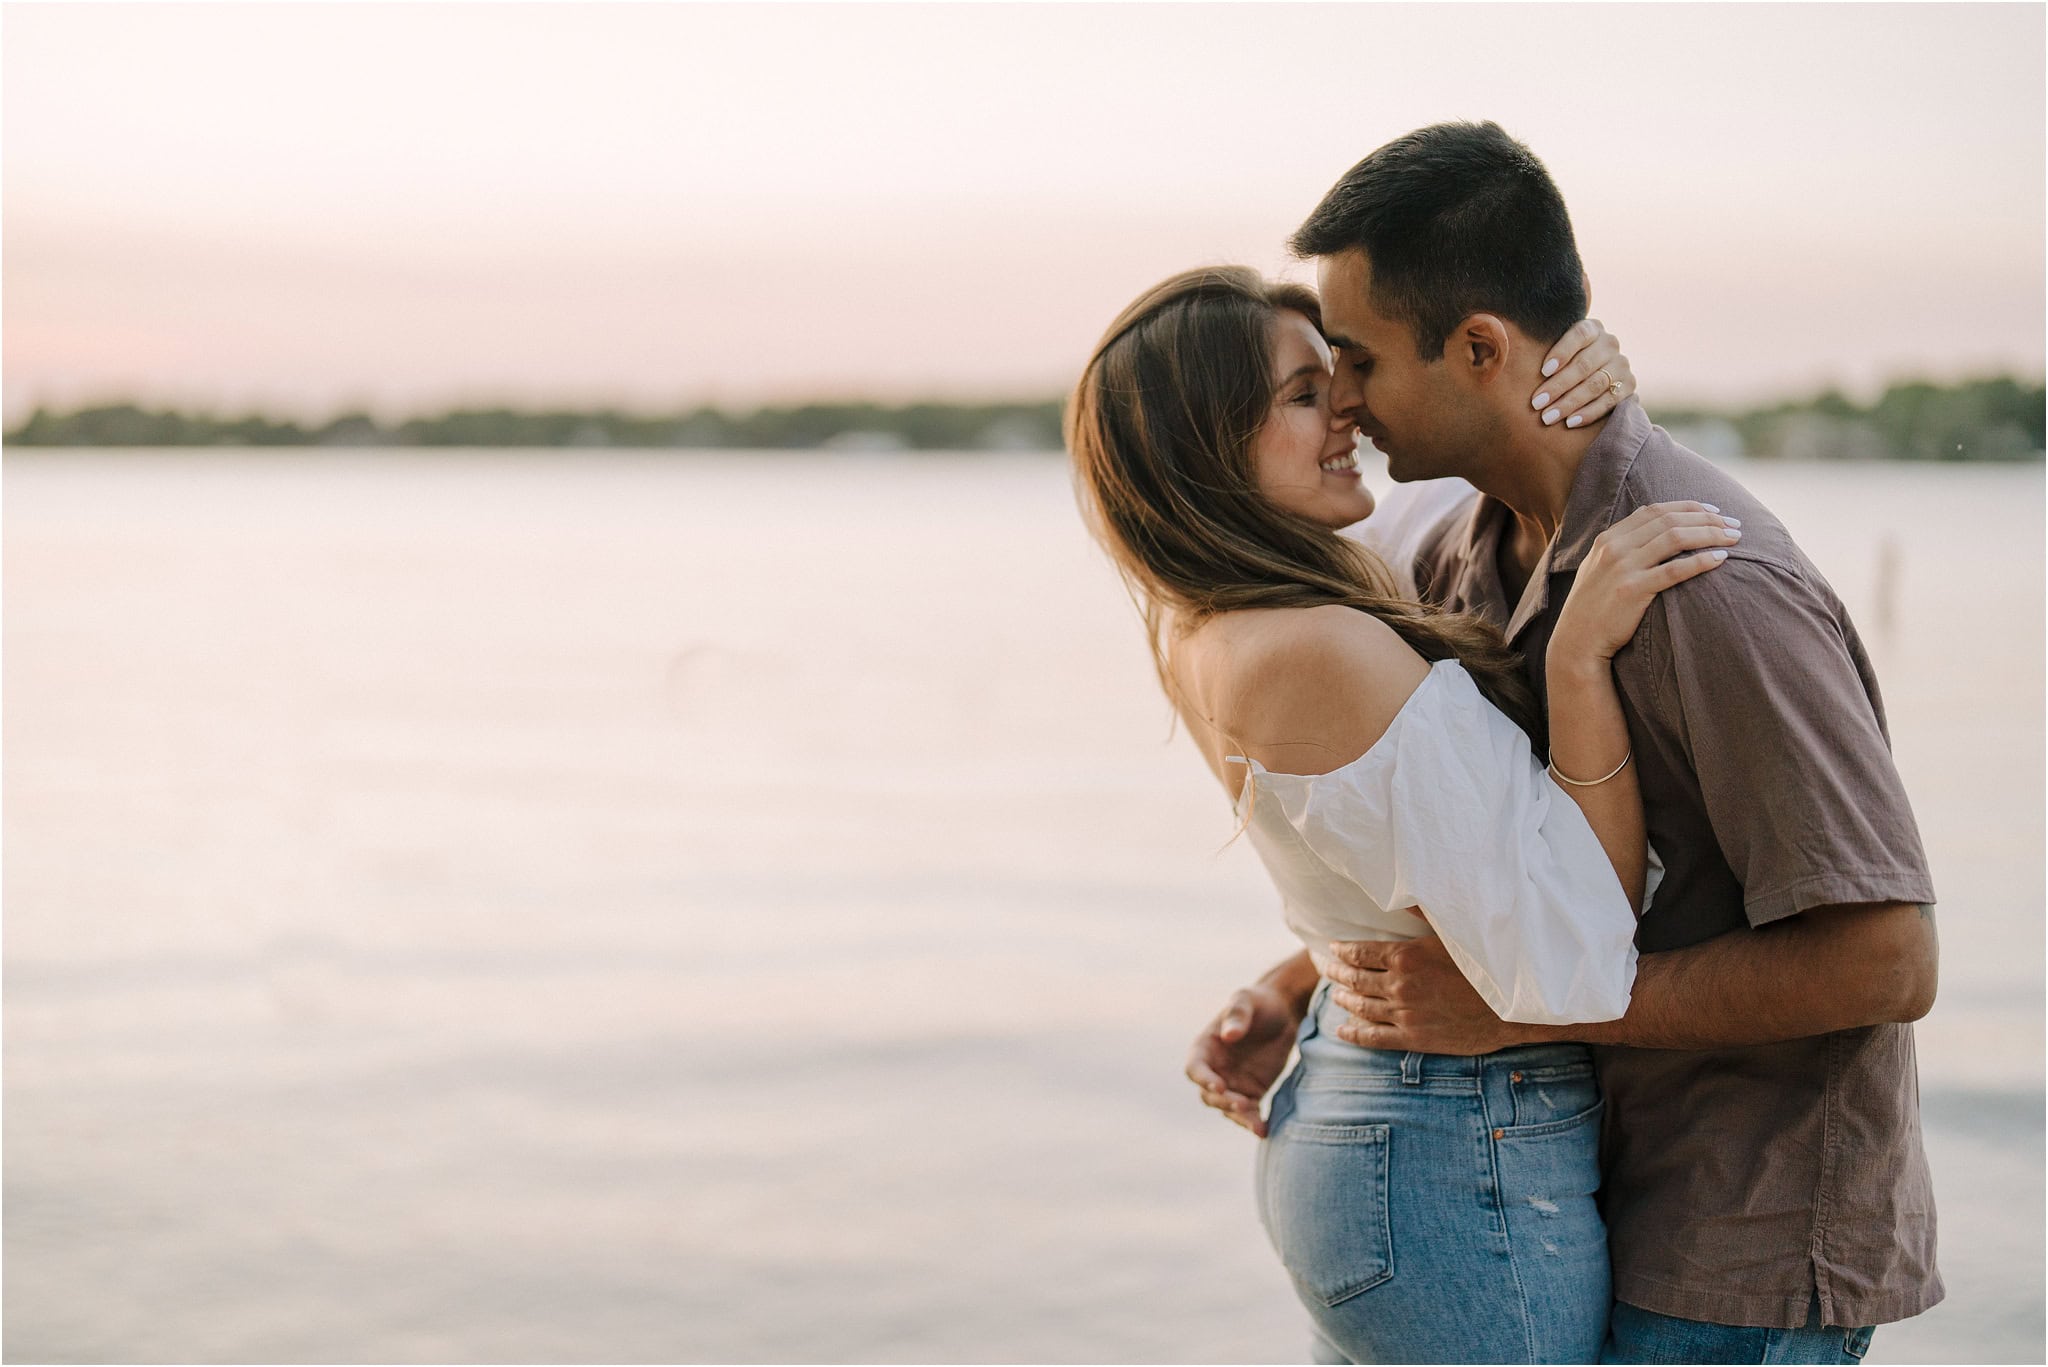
1603,371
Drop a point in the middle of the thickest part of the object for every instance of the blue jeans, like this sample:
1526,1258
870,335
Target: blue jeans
1637,1335
1437,1208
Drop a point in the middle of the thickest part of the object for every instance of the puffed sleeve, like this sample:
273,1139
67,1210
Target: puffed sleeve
1451,811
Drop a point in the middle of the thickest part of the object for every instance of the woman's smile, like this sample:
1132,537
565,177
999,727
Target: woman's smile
1303,426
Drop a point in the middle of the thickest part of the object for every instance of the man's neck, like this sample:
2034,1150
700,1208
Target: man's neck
1521,546
1532,473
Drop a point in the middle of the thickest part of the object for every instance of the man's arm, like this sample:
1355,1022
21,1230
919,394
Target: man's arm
1236,1060
1826,969
1774,714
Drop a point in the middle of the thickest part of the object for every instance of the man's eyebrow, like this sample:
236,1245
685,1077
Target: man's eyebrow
1340,341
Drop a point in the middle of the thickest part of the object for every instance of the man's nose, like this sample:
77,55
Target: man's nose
1347,393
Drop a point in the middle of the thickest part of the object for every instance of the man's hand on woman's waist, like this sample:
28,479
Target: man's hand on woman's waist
1879,962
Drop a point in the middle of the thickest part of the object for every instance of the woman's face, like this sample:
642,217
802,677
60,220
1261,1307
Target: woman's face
1305,459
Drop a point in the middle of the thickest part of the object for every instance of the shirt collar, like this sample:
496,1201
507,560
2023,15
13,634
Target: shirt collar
1476,586
1590,507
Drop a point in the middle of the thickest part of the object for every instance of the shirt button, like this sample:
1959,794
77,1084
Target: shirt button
1500,1134
1514,1077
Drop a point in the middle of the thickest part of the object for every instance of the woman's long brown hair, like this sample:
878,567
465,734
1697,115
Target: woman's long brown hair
1160,428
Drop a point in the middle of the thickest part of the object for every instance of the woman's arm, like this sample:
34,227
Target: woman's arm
1590,754
1589,738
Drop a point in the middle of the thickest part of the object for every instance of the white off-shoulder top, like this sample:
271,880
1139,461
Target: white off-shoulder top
1450,810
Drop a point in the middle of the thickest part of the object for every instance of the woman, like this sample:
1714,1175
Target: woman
1428,1208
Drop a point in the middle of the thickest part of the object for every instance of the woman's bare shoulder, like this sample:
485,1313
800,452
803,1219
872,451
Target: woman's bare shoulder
1304,690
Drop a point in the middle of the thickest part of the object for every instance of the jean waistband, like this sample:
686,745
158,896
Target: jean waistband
1325,1015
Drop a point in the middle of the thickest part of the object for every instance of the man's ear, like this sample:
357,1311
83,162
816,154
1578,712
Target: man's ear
1479,347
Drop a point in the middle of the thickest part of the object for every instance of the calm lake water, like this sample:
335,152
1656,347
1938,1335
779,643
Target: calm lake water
635,907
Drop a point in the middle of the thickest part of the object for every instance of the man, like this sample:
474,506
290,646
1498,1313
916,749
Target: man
1764,1186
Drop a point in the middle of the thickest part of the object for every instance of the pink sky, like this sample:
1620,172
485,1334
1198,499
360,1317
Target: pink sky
310,207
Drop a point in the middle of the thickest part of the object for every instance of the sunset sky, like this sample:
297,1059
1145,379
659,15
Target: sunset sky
310,207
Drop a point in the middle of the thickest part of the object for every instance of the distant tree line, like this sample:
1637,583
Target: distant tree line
1992,419
852,426
1995,419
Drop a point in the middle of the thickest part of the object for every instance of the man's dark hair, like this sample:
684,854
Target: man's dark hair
1456,219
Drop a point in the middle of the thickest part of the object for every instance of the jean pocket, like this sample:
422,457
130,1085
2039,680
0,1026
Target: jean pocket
1323,1192
1552,1096
1547,1164
1856,1342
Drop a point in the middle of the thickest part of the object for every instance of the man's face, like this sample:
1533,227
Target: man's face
1412,410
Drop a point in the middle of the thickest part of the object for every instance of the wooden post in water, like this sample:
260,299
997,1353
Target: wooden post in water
1889,561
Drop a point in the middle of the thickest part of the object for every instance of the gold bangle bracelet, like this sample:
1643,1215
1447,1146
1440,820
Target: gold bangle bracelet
1558,774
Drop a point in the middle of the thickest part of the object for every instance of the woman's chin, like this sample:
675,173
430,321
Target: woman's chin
1356,506
1339,513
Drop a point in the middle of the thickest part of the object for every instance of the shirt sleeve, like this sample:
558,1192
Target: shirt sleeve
1452,813
1779,715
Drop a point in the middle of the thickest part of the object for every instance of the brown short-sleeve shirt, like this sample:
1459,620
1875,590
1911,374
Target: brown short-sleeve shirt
1740,1183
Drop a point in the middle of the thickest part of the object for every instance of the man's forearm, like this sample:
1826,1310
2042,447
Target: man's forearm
1295,979
1828,969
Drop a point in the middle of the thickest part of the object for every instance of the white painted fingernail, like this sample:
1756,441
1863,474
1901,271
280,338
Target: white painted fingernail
1731,521
1717,555
1539,400
1550,367
1574,420
1734,535
1550,417
1710,507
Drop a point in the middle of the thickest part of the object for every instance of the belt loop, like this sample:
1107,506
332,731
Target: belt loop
1411,1069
